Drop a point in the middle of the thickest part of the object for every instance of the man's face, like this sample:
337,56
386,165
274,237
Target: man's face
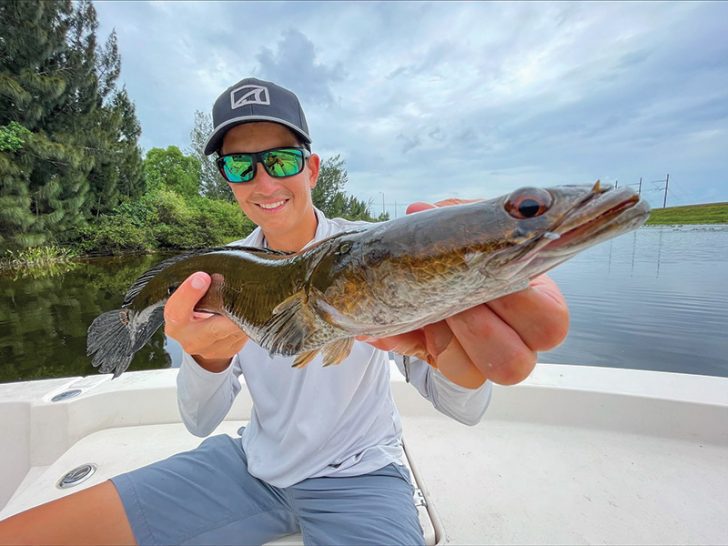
282,207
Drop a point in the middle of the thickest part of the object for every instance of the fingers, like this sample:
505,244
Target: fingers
450,357
207,335
411,343
181,304
419,206
493,347
539,314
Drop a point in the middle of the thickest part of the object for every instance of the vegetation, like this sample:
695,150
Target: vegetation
711,213
68,136
36,257
72,177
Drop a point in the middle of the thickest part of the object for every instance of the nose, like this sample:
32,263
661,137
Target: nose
264,183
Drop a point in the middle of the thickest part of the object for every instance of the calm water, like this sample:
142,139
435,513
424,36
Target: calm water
655,299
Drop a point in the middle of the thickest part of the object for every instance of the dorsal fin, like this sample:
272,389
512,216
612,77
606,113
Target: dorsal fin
145,277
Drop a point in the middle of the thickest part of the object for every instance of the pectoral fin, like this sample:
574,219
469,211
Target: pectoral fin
294,325
291,323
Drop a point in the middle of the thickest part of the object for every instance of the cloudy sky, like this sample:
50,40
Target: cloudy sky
432,100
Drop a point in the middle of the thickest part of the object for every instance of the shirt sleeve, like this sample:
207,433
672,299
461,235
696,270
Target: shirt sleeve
461,403
204,398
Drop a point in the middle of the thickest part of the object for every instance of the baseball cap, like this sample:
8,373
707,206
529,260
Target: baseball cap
252,99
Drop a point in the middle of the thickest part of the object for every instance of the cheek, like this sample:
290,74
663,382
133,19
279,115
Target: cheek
240,192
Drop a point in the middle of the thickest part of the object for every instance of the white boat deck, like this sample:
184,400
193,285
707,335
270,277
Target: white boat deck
572,455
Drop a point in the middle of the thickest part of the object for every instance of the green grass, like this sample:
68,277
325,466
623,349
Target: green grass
710,213
37,257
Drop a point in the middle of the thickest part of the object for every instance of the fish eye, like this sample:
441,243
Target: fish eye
171,288
528,203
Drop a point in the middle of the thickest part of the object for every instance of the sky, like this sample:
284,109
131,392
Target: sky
426,101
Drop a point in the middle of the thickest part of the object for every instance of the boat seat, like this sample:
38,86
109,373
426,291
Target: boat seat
116,450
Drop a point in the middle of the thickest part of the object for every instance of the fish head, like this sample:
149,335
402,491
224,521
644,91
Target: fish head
547,226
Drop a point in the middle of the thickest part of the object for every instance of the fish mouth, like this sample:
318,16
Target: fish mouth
598,216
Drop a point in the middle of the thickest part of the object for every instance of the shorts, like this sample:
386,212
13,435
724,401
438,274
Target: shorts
206,496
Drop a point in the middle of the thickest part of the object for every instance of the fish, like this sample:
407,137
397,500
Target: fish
378,280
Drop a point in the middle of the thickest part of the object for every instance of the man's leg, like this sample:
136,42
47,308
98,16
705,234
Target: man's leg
203,496
376,508
92,516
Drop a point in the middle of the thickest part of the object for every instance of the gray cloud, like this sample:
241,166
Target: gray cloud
294,64
426,100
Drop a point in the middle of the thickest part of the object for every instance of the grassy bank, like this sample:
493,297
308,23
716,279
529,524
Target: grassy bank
711,213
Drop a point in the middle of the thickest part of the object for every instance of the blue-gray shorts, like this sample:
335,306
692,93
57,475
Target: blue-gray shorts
206,496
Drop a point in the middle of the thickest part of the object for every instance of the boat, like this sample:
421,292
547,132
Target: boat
572,455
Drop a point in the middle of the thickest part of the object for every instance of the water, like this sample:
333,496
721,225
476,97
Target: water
655,299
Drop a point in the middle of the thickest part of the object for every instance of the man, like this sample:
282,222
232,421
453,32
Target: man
322,452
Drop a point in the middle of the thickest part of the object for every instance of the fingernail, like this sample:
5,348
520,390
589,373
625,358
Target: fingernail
198,281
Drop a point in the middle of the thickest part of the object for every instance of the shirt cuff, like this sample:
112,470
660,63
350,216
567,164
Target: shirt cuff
189,363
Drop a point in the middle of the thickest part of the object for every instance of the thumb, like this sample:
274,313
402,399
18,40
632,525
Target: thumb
181,303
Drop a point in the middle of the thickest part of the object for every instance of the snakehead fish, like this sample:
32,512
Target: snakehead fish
380,280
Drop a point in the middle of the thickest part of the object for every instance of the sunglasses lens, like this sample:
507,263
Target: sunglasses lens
238,168
280,163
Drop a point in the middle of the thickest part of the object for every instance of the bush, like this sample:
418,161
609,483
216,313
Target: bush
114,234
164,220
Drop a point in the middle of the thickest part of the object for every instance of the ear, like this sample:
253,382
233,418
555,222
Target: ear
314,165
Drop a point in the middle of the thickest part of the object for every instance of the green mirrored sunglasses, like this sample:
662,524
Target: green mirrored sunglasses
277,162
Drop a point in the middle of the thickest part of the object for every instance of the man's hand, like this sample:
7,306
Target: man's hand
212,340
497,340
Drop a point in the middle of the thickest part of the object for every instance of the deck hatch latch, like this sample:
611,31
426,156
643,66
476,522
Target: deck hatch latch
76,476
65,395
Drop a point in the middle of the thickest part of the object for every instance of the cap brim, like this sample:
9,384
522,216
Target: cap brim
214,143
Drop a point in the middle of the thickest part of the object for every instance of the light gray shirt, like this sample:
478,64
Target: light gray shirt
311,422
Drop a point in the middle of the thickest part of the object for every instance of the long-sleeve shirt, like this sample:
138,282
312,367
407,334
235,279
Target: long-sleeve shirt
312,422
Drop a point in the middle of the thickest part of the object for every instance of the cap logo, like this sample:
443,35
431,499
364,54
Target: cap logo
249,94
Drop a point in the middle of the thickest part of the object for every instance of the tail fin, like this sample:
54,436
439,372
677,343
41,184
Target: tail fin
115,336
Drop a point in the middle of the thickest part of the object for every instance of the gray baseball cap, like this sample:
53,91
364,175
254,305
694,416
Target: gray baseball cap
252,99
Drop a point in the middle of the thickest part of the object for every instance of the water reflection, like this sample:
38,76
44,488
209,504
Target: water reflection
655,299
43,318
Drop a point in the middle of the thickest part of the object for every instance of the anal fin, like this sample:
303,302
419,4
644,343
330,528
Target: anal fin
336,351
303,359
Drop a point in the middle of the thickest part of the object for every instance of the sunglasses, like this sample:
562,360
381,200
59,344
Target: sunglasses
277,162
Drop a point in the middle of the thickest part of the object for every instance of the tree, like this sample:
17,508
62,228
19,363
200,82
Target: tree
329,197
212,185
32,37
58,85
171,169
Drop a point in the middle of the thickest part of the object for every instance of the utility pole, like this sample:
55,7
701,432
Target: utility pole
639,190
382,202
667,181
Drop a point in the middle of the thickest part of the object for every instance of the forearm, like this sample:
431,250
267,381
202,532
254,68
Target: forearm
461,403
204,398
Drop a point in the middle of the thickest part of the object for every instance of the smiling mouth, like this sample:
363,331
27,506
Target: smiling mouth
272,206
